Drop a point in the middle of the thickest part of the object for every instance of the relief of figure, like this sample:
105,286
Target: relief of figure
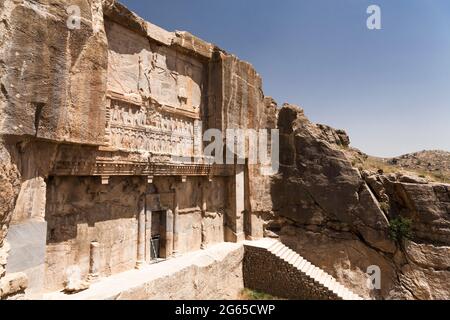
136,118
140,143
188,70
166,123
125,117
151,118
125,141
115,114
182,96
132,142
184,127
150,144
157,146
116,139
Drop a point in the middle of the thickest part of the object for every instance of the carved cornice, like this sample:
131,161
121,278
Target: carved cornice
118,168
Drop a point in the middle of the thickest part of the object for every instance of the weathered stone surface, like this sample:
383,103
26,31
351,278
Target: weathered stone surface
425,284
73,286
317,183
13,284
432,163
54,79
214,273
411,179
428,255
344,256
9,190
427,205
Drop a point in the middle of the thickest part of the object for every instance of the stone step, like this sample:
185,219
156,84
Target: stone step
302,264
275,247
292,255
327,281
316,274
295,259
285,254
281,251
321,276
308,268
341,291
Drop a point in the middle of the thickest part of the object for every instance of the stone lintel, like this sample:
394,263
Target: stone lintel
105,180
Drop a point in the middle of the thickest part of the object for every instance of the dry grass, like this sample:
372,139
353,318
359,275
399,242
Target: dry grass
375,164
248,294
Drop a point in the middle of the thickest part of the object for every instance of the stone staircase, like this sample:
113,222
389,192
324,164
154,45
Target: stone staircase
311,276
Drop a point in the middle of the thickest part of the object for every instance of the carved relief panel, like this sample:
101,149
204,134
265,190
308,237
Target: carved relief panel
139,67
132,127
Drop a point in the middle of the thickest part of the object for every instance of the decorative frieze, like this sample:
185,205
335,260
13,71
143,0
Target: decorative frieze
132,127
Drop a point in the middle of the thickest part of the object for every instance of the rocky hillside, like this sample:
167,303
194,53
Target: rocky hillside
431,165
347,212
435,163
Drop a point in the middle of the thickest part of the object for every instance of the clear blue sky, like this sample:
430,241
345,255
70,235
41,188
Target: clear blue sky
389,88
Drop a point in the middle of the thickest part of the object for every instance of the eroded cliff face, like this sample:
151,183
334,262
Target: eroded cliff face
116,96
425,261
332,214
52,83
53,78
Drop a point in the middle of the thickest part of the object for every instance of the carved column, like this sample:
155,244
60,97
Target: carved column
148,230
198,139
94,261
168,243
204,192
175,222
235,223
141,234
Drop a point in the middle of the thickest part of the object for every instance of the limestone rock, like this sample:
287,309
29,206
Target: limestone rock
428,255
426,205
13,284
411,179
345,257
318,183
53,79
76,285
9,190
426,284
434,163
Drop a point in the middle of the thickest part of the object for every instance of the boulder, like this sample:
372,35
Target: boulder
317,182
12,284
428,255
407,178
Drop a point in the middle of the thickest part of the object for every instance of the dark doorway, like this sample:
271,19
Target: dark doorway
157,238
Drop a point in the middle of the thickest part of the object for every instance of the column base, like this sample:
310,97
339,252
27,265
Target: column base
92,278
231,236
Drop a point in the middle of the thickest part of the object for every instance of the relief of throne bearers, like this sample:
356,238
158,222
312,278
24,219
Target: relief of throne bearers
126,142
140,143
116,114
141,117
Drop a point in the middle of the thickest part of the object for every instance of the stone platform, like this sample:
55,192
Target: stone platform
214,273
